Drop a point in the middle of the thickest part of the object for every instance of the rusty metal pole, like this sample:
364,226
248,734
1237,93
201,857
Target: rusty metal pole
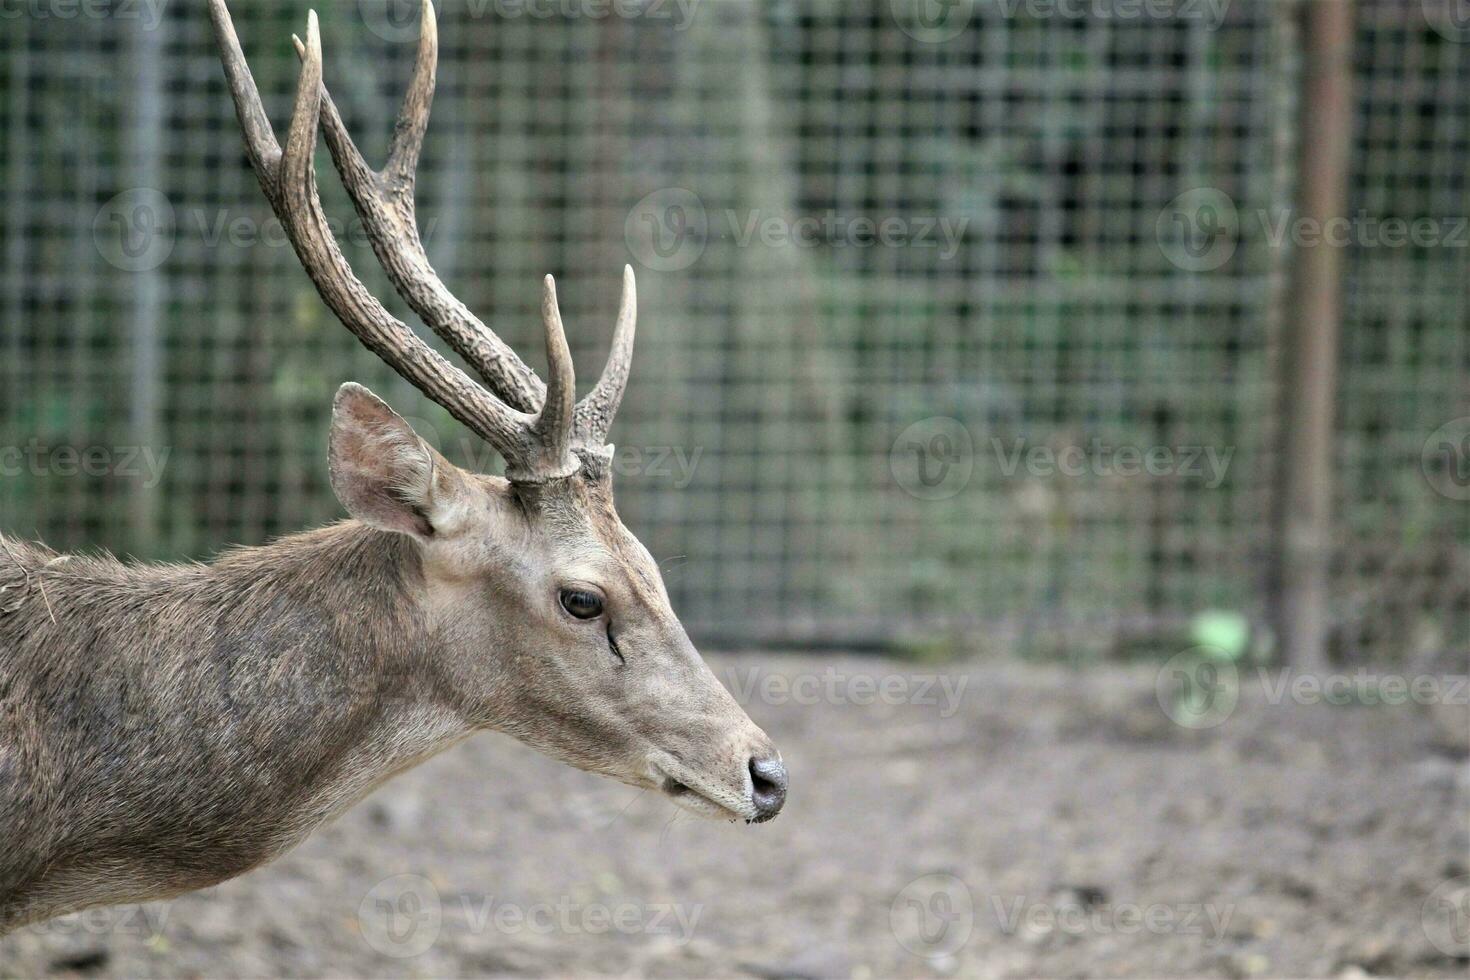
144,167
1309,384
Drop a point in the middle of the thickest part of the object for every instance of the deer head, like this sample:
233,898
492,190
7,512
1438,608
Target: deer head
550,619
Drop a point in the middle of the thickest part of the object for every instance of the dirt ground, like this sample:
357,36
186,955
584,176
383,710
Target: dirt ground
986,821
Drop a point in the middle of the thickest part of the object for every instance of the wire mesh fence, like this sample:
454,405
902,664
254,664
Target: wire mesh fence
961,323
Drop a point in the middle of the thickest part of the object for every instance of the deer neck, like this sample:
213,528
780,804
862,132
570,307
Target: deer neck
334,627
228,708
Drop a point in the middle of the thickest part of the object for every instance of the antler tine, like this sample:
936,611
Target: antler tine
554,424
260,139
297,175
413,117
384,200
289,181
595,413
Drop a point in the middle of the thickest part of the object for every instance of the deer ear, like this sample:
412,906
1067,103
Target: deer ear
384,474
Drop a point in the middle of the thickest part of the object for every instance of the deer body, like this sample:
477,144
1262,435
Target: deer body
173,727
167,728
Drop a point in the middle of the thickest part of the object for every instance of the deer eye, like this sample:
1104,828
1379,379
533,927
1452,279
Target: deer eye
581,604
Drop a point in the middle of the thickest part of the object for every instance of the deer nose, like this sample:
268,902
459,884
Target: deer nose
767,787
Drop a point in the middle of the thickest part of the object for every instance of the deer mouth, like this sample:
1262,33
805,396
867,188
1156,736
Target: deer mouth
687,791
692,799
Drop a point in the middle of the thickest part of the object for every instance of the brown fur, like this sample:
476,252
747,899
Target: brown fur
173,726
163,728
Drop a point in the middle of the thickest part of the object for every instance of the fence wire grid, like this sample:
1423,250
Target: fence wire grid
961,323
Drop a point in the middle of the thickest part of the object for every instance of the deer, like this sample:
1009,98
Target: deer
164,728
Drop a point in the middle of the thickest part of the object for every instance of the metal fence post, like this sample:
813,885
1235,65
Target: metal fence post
143,168
1303,547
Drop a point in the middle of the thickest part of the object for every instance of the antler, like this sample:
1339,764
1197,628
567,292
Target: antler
533,427
384,200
